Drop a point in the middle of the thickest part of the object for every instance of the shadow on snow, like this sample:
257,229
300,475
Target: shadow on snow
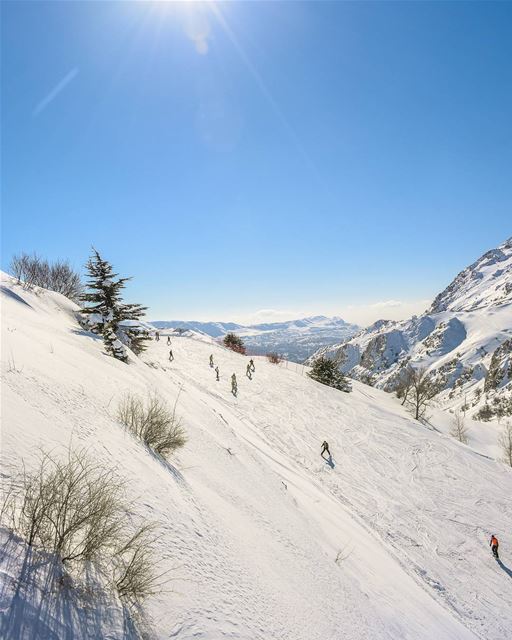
505,568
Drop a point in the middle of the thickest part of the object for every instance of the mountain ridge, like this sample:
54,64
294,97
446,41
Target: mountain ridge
462,337
293,339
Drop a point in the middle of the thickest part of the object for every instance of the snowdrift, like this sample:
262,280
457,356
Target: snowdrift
262,538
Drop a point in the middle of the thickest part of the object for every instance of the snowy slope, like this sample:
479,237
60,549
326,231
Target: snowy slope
464,339
295,340
486,283
251,519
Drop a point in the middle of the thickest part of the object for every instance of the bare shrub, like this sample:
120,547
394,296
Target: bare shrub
32,270
152,422
72,507
416,389
63,279
16,267
459,429
12,366
343,554
134,568
505,442
274,357
25,267
77,509
404,384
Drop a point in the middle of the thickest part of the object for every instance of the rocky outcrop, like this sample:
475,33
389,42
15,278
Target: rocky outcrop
464,339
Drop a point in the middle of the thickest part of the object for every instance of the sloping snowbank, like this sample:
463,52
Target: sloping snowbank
252,520
38,599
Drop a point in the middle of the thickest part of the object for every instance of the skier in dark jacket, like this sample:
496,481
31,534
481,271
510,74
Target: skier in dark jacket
234,385
171,357
211,360
325,447
157,336
494,544
248,372
217,373
251,364
168,341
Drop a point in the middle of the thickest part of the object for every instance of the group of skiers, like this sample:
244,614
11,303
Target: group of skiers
217,371
169,344
234,383
494,544
251,368
157,339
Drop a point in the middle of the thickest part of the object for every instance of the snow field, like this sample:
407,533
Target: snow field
252,520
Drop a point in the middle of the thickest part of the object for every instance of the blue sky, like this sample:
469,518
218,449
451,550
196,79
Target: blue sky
253,160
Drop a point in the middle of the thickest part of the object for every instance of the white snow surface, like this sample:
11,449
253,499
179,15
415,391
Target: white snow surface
252,520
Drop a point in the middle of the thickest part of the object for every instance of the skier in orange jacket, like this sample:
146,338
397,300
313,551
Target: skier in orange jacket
494,544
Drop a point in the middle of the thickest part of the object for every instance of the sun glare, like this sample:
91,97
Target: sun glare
195,17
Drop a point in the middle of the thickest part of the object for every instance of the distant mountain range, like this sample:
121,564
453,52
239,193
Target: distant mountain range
296,340
464,339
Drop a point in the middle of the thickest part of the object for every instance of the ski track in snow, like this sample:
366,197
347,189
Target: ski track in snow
251,518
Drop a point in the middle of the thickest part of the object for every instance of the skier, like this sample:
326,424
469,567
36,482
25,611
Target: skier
211,360
494,544
251,364
157,336
217,373
171,357
248,371
325,447
234,385
168,341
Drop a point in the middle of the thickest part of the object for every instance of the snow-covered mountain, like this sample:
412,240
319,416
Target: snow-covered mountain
262,538
464,339
296,340
213,329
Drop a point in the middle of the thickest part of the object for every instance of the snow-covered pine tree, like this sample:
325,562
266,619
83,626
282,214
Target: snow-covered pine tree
134,336
105,307
113,344
137,339
104,301
326,372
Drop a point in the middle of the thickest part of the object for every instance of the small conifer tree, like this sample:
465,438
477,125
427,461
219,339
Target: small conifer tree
326,372
234,342
106,309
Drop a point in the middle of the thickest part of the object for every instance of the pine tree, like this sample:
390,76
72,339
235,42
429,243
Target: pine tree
135,336
234,342
104,298
137,339
326,372
107,310
113,344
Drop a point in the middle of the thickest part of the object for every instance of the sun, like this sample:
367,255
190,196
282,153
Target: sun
195,16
